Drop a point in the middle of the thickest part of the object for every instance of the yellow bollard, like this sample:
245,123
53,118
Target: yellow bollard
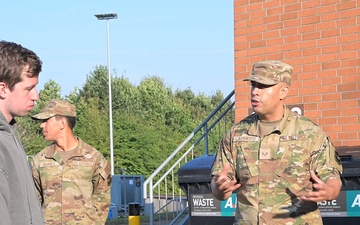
134,213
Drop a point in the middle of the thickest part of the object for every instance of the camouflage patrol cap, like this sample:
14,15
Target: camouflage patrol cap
270,72
56,107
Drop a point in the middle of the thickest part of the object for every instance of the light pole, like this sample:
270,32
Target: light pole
108,17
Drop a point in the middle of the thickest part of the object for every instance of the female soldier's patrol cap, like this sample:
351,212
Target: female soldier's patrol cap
270,72
56,107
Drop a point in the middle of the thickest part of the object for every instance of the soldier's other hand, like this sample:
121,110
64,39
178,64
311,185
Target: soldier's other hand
224,183
321,191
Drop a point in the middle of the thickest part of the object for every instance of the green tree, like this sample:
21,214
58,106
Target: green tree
125,96
96,85
92,125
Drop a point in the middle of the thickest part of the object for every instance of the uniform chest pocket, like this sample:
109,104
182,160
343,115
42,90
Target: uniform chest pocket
78,170
295,160
294,168
246,160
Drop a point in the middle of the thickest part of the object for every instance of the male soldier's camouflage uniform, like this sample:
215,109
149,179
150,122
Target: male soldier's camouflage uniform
74,192
272,185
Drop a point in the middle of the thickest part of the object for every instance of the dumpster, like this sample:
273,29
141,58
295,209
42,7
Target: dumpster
346,208
194,178
126,189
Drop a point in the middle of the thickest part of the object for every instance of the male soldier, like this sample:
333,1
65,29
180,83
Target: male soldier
279,163
71,177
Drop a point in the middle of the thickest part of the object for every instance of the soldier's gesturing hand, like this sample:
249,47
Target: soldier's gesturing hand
321,191
222,185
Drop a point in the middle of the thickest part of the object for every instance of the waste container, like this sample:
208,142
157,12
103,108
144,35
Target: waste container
194,178
346,208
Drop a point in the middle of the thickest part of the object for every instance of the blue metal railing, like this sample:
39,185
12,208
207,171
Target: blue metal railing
163,179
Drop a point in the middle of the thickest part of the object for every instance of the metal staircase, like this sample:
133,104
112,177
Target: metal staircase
165,201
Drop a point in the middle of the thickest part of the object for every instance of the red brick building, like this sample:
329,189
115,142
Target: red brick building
321,40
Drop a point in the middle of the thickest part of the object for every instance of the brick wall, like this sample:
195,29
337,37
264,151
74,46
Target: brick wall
321,40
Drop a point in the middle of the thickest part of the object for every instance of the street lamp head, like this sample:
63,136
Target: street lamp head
107,16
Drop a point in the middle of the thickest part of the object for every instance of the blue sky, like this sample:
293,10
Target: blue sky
188,43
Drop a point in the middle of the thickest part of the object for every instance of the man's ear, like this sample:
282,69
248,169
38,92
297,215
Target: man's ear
284,91
63,123
3,89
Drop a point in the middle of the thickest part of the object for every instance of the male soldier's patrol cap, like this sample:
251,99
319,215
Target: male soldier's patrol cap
56,107
270,72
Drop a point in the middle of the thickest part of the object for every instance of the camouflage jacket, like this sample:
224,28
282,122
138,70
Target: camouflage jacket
76,191
274,169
